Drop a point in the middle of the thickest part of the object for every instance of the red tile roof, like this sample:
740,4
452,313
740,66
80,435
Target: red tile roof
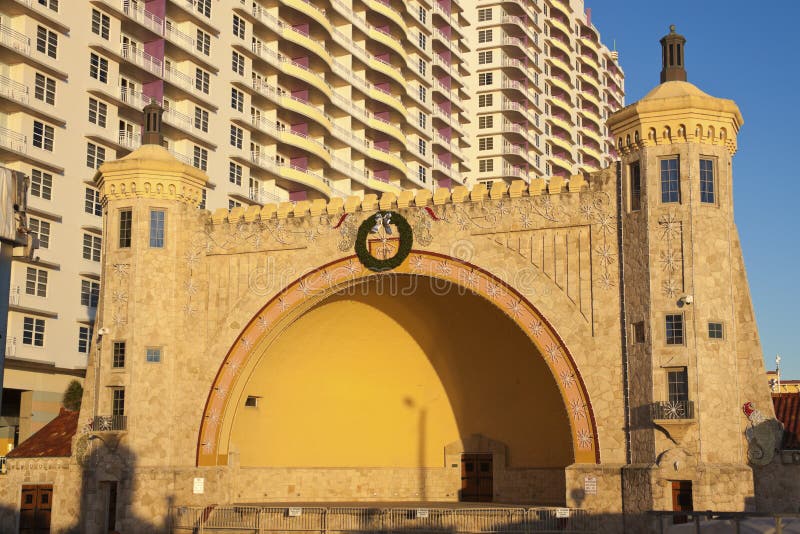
53,440
787,411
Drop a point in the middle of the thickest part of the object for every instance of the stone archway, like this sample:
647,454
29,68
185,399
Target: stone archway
307,291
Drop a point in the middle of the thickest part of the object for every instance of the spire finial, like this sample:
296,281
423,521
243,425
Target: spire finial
672,49
151,133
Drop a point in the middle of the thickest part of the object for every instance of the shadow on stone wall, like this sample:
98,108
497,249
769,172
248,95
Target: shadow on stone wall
109,499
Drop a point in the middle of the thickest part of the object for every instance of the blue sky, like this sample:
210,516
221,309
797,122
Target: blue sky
743,51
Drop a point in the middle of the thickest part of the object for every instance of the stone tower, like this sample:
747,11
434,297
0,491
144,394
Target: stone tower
692,341
149,199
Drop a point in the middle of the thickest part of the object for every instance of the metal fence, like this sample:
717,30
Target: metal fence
262,519
701,522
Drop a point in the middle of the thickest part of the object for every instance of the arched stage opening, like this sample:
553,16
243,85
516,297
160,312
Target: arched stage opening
401,373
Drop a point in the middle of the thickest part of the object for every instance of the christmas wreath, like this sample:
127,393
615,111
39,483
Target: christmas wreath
380,224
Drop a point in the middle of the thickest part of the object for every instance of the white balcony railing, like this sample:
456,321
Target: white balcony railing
13,140
134,98
14,39
136,10
13,90
142,59
130,140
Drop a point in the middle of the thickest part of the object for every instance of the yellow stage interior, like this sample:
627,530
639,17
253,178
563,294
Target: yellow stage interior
374,379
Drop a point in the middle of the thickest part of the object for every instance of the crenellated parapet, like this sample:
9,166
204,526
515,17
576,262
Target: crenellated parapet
676,112
405,199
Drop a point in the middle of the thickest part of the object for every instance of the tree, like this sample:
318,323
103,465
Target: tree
73,396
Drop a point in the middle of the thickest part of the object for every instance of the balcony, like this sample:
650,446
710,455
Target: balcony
136,11
110,423
679,410
13,90
142,59
13,140
15,40
133,98
130,140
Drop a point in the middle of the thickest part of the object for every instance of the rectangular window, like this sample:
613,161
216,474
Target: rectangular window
237,135
715,330
678,385
118,355
200,158
486,143
43,136
423,93
153,355
422,67
484,36
36,282
91,247
41,230
235,173
237,63
203,42
202,80
674,329
637,332
239,27
200,119
421,146
670,183
90,293
33,331
485,78
50,4
98,68
484,14
484,57
125,228
41,184
118,400
422,174
707,181
423,15
84,339
203,7
423,120
46,41
485,121
237,100
101,24
91,203
157,228
485,101
422,39
233,204
95,155
98,111
636,186
45,89
485,165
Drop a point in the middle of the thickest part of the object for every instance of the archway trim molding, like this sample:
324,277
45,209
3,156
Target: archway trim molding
313,287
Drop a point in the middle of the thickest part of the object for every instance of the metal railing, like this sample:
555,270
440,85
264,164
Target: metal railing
14,39
733,522
261,519
14,90
110,423
13,140
679,409
141,58
136,10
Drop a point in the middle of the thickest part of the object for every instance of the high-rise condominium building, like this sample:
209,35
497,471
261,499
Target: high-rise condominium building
277,100
545,85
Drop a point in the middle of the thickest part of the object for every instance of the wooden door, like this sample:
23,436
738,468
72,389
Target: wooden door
476,478
34,517
681,499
